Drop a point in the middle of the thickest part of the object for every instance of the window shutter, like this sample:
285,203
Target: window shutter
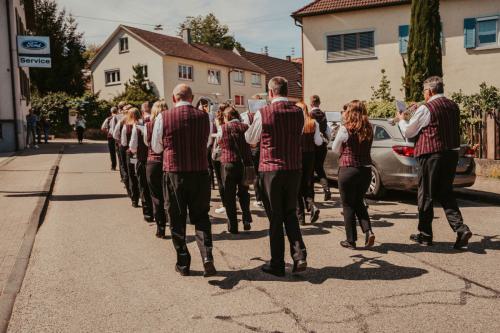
470,33
404,34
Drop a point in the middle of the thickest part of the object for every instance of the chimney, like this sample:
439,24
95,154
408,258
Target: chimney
186,35
289,58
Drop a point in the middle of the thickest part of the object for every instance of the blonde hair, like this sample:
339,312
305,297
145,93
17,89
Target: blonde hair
158,108
133,116
309,124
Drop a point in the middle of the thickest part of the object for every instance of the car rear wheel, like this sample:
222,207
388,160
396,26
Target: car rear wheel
376,189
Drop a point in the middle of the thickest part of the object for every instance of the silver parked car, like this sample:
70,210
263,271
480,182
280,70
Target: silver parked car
394,166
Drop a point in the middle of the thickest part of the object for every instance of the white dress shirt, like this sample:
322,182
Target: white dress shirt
254,132
106,124
341,138
116,130
123,136
134,138
420,119
157,136
245,118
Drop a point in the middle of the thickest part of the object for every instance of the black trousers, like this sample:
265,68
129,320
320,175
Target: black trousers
144,193
280,190
436,173
189,193
232,177
256,185
112,152
133,182
122,157
30,133
319,162
79,133
154,175
305,197
218,174
210,165
353,184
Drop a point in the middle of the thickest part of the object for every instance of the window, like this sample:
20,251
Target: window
239,100
112,77
481,32
123,44
380,134
404,38
145,71
256,80
356,45
487,32
214,76
185,72
239,77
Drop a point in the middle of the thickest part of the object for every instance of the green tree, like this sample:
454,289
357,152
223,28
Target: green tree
67,51
383,92
138,89
381,104
209,31
424,47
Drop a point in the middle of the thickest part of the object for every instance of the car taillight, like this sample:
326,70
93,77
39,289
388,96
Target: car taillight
404,151
470,153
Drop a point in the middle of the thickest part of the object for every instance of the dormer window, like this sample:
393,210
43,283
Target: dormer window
123,44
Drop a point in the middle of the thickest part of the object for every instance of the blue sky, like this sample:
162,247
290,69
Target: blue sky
255,23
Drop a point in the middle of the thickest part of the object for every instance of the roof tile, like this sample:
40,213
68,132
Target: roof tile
319,7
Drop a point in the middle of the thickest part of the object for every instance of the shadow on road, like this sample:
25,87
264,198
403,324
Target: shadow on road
363,268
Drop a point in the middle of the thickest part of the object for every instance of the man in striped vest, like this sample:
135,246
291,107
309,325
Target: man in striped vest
436,127
181,134
278,127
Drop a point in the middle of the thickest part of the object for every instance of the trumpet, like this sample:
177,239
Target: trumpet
407,112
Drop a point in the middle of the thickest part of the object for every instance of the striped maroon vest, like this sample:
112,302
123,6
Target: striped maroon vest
233,133
142,149
128,132
280,145
354,153
185,137
152,156
307,141
443,131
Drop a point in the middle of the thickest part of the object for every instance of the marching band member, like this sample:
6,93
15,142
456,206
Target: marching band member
133,117
353,142
107,128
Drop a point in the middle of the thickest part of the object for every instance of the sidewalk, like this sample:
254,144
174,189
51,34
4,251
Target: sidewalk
22,186
484,189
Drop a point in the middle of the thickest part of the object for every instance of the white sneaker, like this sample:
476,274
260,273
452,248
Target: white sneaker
220,210
36,147
258,204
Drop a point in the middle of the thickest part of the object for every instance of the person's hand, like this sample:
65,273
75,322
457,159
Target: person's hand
401,116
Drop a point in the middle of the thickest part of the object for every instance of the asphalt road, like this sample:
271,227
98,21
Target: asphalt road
97,267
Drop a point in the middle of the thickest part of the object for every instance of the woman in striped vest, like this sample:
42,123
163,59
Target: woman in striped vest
132,118
311,137
216,158
235,155
353,142
154,171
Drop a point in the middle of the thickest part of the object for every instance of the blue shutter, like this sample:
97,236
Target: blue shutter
470,33
404,33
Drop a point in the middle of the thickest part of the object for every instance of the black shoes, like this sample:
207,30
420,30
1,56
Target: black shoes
209,268
160,232
299,266
149,219
314,213
279,272
328,195
247,226
348,245
369,239
135,204
421,239
182,270
462,239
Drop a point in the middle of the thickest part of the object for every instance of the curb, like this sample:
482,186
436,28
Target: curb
16,277
8,159
478,196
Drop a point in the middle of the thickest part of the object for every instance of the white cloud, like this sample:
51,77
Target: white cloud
255,23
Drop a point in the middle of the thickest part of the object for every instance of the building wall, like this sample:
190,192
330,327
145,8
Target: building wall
340,82
20,105
111,58
200,85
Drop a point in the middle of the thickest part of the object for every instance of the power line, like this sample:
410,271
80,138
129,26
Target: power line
115,21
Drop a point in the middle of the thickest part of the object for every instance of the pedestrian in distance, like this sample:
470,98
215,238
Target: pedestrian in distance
436,127
181,134
322,150
154,171
139,151
45,127
31,125
235,156
107,128
80,125
278,127
133,118
353,143
310,139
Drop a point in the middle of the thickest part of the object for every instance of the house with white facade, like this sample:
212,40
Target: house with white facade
212,73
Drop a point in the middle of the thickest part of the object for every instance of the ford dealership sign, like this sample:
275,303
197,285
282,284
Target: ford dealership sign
33,51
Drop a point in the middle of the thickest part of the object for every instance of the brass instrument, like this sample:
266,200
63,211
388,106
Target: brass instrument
408,112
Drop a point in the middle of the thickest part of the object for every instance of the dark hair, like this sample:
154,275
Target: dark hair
220,113
231,113
315,101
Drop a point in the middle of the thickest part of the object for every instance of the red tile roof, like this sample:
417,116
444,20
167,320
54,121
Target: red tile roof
320,7
291,71
176,47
